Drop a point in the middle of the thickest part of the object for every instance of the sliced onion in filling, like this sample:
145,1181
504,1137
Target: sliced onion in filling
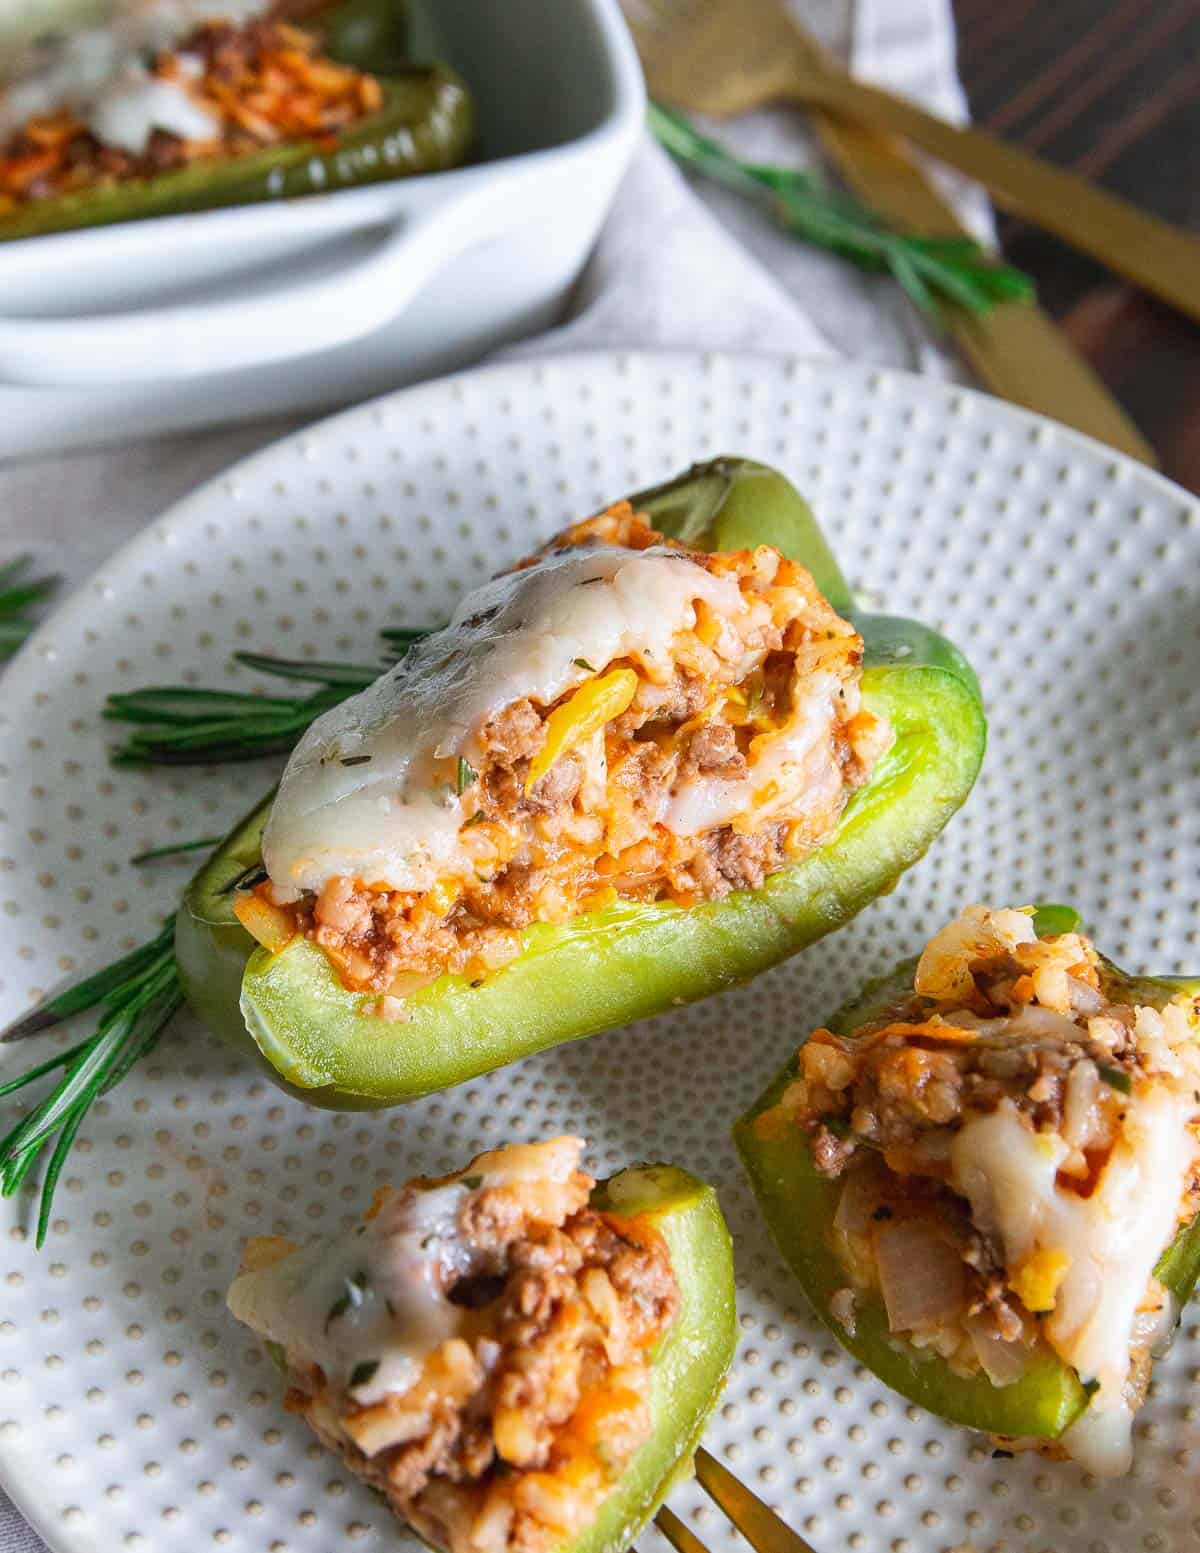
1002,1360
1060,1129
920,1274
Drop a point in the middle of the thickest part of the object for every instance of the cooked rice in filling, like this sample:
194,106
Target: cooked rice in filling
226,90
479,1349
677,773
1019,1143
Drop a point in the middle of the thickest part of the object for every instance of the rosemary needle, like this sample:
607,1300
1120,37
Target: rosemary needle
933,271
18,594
174,849
183,725
136,997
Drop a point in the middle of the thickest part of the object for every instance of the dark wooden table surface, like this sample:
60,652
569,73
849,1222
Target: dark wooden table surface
1111,89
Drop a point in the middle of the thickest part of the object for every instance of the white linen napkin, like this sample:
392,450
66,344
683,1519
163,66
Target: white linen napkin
677,265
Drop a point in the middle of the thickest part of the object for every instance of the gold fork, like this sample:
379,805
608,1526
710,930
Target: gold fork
757,1522
727,56
1016,349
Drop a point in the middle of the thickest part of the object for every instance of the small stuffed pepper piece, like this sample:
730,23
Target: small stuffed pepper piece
156,113
514,1356
646,765
986,1174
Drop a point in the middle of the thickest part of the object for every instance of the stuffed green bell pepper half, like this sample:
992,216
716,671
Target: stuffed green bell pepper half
206,103
986,1174
643,766
516,1357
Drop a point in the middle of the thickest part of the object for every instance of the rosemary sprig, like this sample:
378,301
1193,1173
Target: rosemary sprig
933,271
180,725
136,996
18,594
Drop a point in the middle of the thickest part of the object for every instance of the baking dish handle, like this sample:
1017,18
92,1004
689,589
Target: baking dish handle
290,320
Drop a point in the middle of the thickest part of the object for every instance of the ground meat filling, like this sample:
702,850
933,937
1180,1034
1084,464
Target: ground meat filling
596,827
520,1423
1034,1014
260,85
973,1122
569,1314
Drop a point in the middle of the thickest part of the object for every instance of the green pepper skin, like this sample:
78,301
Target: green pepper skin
689,1369
371,35
799,1204
631,961
426,125
732,503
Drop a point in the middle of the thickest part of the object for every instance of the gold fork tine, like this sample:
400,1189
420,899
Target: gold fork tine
641,13
660,12
677,13
757,1522
722,58
654,35
676,1533
648,36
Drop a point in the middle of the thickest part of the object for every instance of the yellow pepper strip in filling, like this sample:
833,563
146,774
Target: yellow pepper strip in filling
273,928
596,702
1038,1278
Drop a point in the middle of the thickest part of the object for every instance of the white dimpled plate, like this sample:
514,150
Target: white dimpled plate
134,1413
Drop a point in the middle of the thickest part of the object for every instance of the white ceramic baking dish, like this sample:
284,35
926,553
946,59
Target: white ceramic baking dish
219,315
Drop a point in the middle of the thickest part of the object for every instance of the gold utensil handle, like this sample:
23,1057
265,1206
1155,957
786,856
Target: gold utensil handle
1017,350
1155,255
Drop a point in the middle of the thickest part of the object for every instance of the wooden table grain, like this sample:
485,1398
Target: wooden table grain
1111,89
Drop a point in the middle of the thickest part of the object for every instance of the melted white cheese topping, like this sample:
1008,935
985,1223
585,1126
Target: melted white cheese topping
99,73
1114,1238
392,815
373,1297
132,105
